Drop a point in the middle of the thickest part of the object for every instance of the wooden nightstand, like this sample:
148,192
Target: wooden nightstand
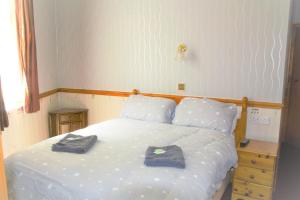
256,173
67,120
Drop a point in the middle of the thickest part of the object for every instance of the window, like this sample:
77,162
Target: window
10,71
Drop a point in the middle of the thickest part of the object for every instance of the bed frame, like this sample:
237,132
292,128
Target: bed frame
240,130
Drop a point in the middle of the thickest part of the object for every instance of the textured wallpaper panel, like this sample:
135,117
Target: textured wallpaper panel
296,10
235,47
44,21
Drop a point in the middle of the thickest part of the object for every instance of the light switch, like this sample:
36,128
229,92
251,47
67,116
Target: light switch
181,86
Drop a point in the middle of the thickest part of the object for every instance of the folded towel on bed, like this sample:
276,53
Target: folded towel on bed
168,156
75,144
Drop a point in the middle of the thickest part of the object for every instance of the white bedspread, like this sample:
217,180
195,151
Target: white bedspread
113,169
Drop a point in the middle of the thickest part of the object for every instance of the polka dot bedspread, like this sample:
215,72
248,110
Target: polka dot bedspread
114,168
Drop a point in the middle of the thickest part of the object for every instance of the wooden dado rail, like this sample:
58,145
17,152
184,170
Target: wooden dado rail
177,98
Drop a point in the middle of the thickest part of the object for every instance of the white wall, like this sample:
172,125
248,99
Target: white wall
45,30
100,108
296,11
236,47
27,129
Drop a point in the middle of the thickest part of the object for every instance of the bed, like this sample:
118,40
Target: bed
113,169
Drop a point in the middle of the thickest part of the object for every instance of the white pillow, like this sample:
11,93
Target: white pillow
145,108
206,113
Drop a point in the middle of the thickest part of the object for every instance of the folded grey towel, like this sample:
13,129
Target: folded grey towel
168,156
75,144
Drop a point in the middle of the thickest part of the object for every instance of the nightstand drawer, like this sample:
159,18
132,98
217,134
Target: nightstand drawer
235,196
70,118
259,176
75,117
252,190
64,118
64,128
257,160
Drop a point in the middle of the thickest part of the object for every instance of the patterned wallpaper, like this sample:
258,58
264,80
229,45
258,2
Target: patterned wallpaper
236,48
44,21
296,11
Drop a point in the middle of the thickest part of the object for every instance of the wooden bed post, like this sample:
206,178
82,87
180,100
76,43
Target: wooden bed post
244,117
240,131
3,186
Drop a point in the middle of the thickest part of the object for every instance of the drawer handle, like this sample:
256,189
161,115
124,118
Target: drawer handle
253,162
263,171
261,195
252,176
267,156
235,189
259,155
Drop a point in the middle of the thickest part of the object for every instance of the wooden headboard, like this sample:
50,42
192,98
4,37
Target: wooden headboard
240,130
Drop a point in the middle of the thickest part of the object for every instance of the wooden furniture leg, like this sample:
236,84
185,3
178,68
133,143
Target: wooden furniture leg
3,186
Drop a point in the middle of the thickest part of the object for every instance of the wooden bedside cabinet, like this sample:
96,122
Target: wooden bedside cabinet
67,120
255,176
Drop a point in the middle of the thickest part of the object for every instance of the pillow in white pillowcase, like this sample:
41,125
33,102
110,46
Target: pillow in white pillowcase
206,113
155,109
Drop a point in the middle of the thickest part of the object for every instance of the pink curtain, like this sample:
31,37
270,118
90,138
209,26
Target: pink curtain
3,113
27,53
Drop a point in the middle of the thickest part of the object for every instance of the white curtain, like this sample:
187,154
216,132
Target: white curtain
10,71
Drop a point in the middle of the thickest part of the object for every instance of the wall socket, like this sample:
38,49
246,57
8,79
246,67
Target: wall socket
257,118
181,86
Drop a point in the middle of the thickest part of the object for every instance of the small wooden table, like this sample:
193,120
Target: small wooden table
255,176
67,120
